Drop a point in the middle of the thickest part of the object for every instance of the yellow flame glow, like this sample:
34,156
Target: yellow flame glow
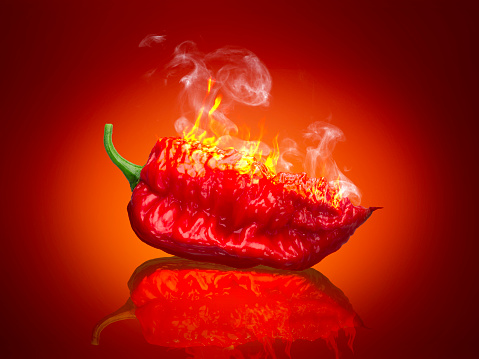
337,195
252,154
253,160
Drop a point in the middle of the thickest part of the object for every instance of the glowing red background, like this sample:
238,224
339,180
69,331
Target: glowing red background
400,80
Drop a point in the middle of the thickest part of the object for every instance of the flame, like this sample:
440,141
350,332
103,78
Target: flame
237,76
254,159
337,192
251,151
272,160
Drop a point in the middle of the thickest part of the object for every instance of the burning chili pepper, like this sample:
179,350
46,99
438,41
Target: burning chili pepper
181,303
200,202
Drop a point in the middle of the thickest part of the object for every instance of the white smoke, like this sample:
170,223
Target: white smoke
152,39
319,161
238,75
288,149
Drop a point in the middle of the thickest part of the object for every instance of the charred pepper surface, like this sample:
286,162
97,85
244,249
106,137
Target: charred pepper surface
181,303
200,202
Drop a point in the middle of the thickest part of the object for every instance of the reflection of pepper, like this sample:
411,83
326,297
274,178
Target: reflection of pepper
181,303
192,201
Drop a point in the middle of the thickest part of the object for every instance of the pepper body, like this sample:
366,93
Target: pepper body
208,204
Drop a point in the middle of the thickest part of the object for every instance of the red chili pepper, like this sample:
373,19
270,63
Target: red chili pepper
196,201
181,303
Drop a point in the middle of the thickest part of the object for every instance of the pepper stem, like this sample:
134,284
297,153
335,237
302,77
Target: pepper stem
130,170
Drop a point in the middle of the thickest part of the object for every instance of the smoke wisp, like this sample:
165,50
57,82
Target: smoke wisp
237,76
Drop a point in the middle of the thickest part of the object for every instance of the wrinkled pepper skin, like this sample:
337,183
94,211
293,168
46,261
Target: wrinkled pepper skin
181,303
195,204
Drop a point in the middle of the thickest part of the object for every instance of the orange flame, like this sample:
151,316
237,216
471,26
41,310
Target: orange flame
252,153
215,106
337,194
250,149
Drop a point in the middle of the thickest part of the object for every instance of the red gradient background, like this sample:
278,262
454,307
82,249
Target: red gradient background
400,79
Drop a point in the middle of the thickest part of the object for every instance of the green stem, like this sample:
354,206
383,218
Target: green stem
130,170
